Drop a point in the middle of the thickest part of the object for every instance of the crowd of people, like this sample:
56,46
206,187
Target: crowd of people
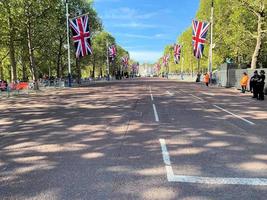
256,84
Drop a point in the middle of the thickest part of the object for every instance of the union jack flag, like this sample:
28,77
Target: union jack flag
135,67
125,61
157,67
165,60
177,53
200,30
81,35
112,52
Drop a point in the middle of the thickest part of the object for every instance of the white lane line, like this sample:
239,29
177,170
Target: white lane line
165,153
196,97
205,180
152,98
155,113
208,93
219,180
169,93
237,116
151,95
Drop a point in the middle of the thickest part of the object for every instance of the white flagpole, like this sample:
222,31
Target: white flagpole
182,57
211,37
107,61
68,42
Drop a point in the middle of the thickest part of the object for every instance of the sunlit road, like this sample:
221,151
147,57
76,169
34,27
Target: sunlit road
140,139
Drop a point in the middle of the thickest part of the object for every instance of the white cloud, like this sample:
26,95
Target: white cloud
128,13
134,47
148,37
134,25
145,56
136,36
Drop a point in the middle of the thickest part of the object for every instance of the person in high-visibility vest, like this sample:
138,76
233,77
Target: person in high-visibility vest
207,79
244,82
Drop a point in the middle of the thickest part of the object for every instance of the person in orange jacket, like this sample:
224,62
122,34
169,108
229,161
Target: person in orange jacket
244,82
207,79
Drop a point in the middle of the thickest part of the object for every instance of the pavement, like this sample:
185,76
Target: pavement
139,139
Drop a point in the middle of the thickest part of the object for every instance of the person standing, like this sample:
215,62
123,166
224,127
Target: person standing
261,83
244,82
206,79
198,77
254,85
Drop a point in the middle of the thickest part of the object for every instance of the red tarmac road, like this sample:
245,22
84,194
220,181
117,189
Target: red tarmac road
102,142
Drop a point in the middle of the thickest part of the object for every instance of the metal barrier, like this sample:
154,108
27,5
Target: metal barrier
229,77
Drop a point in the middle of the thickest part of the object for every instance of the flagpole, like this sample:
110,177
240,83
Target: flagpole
68,43
182,55
107,62
198,65
211,37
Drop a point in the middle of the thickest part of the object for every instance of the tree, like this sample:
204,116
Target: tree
258,9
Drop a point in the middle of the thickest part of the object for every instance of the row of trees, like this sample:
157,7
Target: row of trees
240,36
33,40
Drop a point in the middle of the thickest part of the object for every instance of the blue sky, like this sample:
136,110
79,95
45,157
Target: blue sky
144,27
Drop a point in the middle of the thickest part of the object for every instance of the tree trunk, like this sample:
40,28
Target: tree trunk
78,68
24,69
94,63
31,50
11,47
24,59
59,63
260,37
1,71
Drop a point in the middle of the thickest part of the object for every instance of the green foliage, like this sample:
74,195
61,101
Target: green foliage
234,34
48,27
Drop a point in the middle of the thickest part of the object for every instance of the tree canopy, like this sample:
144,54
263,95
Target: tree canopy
33,40
240,35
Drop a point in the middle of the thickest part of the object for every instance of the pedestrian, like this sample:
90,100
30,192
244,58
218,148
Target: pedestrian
261,83
244,82
198,77
254,85
206,79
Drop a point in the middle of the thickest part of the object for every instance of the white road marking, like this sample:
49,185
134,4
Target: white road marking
152,98
155,113
208,93
169,93
151,95
183,91
237,116
165,153
205,180
196,97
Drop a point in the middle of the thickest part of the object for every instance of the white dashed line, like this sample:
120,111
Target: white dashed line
196,97
154,107
237,116
169,93
155,113
208,93
152,98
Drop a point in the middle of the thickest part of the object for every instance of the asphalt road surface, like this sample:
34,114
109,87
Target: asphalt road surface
140,139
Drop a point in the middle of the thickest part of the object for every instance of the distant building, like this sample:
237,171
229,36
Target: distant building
146,70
